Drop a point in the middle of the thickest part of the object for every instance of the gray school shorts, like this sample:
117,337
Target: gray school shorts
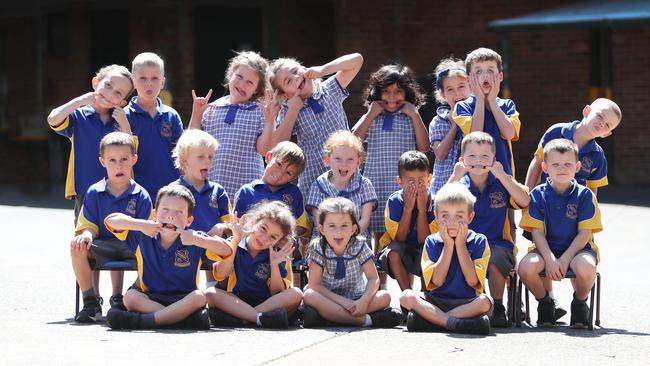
162,299
503,259
410,254
105,250
448,305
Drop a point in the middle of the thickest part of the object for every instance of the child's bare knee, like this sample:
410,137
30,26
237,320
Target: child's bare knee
309,296
485,304
408,298
131,297
295,294
197,298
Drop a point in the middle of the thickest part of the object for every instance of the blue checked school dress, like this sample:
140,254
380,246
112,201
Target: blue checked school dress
438,129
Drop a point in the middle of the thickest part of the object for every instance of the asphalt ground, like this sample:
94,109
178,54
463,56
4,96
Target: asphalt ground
37,306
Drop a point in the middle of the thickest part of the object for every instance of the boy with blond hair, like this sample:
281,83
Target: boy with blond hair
562,218
156,126
454,263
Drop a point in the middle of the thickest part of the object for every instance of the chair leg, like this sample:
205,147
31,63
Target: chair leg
518,320
76,305
527,307
597,299
512,292
591,307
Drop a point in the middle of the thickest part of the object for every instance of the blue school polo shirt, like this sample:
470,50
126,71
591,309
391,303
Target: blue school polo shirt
455,286
252,193
463,118
393,214
251,275
156,138
171,271
212,205
562,215
99,203
85,130
491,211
593,172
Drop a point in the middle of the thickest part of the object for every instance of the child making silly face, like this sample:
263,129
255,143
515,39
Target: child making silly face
344,162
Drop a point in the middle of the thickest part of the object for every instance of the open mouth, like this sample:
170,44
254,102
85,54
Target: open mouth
204,173
302,84
119,175
486,84
170,226
343,173
478,166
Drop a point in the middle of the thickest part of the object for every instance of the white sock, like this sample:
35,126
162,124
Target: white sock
550,294
259,323
209,284
368,321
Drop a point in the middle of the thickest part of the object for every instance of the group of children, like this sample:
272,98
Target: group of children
453,229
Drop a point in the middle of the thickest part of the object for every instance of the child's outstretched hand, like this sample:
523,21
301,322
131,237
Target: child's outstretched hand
422,196
80,242
271,106
284,253
496,87
409,109
200,104
150,228
358,308
444,234
475,86
238,226
497,170
375,108
461,237
314,72
120,117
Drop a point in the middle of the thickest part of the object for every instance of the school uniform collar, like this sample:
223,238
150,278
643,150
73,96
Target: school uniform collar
314,101
472,101
225,102
443,111
328,189
102,186
473,188
89,111
569,130
243,245
206,185
260,183
135,107
389,118
572,187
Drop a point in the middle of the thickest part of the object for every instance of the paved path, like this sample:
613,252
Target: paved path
38,301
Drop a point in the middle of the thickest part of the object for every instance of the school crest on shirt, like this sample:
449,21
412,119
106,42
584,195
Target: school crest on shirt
587,164
214,203
497,200
286,198
182,258
572,211
263,271
166,129
131,206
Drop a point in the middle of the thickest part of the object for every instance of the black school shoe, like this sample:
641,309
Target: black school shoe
311,318
546,313
90,313
120,319
579,314
117,301
197,320
476,325
277,319
499,318
416,323
387,318
220,317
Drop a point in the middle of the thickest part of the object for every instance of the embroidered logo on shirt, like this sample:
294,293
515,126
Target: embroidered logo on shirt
263,271
166,129
131,207
213,201
572,211
587,164
182,258
496,200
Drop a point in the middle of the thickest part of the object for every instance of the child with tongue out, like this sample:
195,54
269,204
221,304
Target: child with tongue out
243,126
344,154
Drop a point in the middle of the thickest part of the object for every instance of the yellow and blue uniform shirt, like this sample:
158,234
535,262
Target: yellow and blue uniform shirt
256,191
393,214
491,211
593,172
455,286
462,116
562,215
99,203
85,130
250,276
171,271
212,205
156,138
